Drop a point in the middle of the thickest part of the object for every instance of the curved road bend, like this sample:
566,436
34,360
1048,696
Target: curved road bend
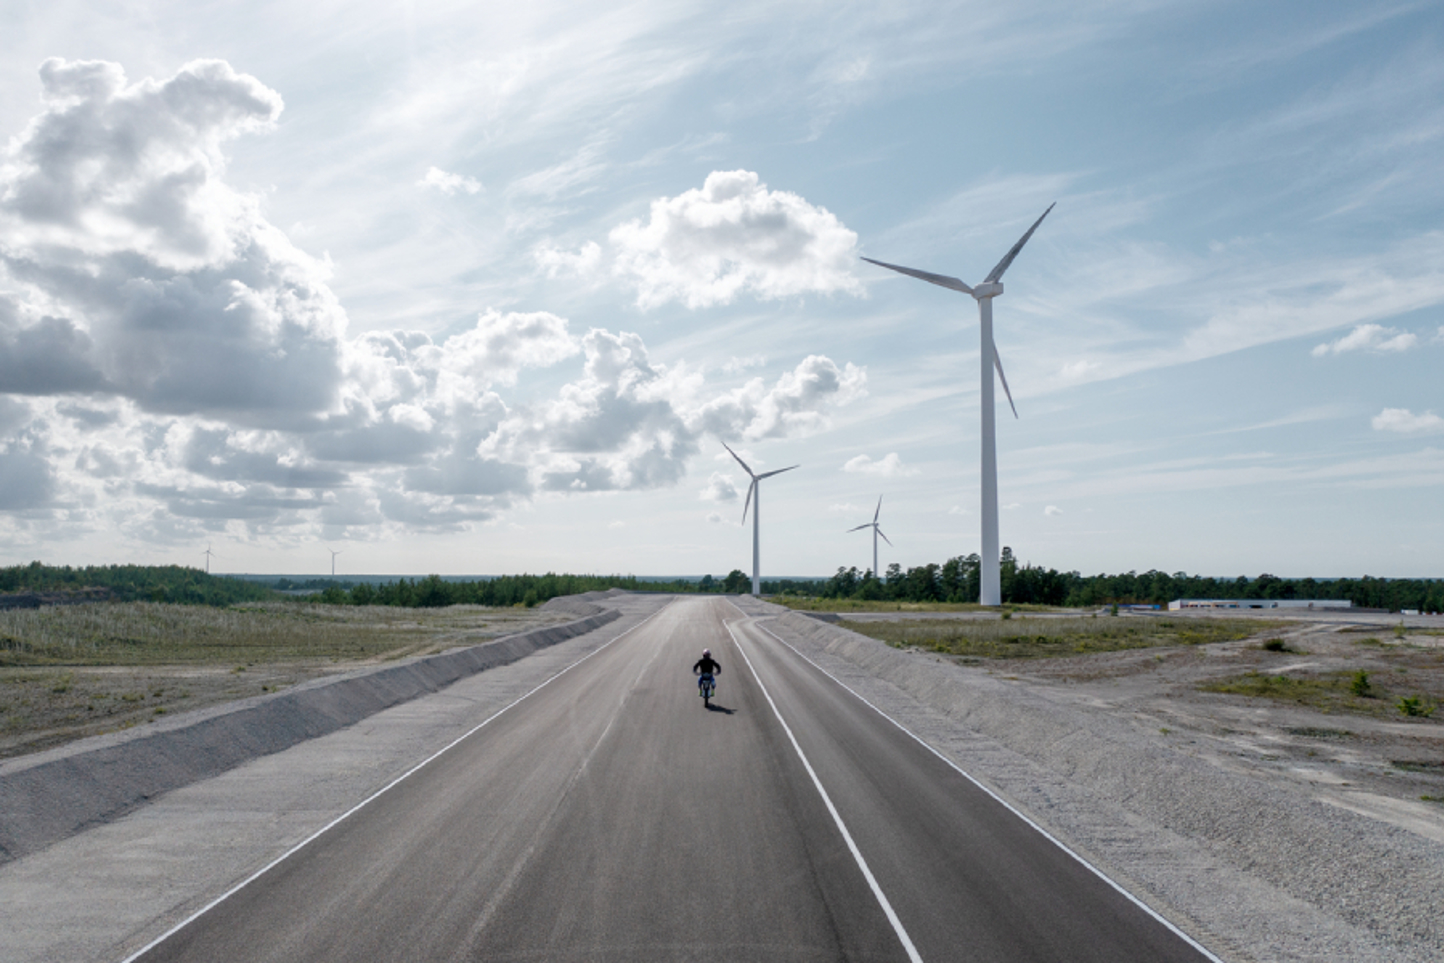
609,816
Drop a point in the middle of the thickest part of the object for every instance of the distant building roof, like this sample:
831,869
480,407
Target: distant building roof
1177,604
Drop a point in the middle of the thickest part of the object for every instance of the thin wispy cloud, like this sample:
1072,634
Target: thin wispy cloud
889,466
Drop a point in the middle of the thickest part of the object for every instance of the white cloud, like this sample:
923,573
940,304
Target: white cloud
890,466
556,263
959,510
1369,337
134,270
1405,421
707,246
720,488
1439,337
1052,510
1079,369
449,184
714,518
847,507
797,404
1012,505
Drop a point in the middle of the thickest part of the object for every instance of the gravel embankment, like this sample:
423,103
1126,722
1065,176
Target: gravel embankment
1256,871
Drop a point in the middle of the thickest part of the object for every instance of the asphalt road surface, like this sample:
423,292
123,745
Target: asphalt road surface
610,816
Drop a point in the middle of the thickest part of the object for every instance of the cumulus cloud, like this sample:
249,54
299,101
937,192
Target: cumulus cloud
959,510
446,183
890,466
135,270
1369,337
556,262
171,363
1406,422
720,488
796,404
708,245
714,518
1052,510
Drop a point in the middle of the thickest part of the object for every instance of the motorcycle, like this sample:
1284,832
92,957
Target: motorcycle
706,686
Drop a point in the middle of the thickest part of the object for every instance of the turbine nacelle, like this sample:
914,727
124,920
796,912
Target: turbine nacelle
988,289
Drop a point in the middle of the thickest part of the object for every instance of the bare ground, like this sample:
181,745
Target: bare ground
1360,753
49,705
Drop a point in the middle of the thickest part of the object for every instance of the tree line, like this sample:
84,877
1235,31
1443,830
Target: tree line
131,583
957,580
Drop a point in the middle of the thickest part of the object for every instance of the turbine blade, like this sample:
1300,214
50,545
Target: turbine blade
879,510
939,279
885,538
739,460
998,363
997,273
747,504
860,527
779,471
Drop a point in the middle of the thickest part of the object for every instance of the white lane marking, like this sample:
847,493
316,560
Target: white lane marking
902,934
373,797
1003,802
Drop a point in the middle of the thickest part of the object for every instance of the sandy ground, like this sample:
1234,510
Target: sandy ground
1378,765
46,706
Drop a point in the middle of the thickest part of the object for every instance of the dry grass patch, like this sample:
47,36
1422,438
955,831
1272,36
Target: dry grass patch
1025,638
1383,694
73,671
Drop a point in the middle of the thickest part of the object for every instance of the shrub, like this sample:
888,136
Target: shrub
1360,686
1414,706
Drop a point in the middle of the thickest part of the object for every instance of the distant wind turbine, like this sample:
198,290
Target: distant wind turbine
208,553
875,533
992,286
334,552
754,498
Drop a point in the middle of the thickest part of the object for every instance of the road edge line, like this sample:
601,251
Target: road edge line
374,796
1168,924
902,933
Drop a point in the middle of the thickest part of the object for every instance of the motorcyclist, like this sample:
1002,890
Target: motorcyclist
706,669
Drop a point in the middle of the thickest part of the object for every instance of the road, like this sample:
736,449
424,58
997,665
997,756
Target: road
610,816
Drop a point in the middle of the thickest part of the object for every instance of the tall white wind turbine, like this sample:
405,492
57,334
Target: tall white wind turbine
992,286
876,531
334,552
754,499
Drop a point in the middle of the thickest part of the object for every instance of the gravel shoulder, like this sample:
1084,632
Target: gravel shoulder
1268,830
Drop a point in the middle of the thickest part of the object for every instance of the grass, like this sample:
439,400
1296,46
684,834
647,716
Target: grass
73,671
1354,692
1025,638
148,633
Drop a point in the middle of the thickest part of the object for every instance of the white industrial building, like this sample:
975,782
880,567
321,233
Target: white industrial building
1324,604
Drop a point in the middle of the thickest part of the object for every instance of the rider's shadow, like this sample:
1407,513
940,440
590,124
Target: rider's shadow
714,707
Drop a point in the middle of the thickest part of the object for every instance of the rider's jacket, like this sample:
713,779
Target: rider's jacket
707,666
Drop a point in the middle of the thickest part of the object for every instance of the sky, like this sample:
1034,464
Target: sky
481,288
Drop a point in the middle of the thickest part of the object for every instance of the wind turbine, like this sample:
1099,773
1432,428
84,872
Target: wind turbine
334,552
992,286
208,553
875,533
754,495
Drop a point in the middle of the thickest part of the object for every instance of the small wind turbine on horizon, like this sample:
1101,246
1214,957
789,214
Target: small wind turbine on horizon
991,587
208,553
876,531
754,499
334,552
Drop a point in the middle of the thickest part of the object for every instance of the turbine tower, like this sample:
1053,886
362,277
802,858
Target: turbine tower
208,553
875,533
754,498
334,552
992,286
